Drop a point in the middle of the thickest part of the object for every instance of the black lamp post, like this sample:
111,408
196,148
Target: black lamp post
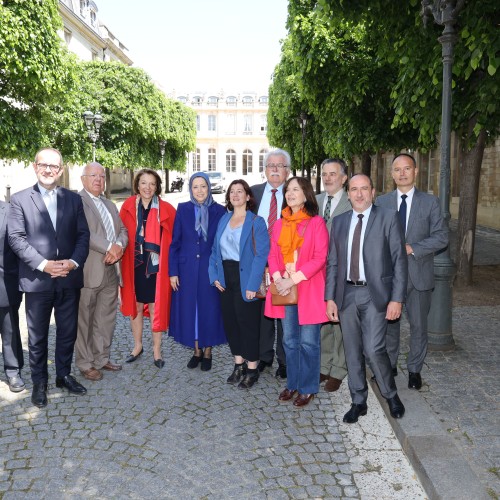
302,119
93,124
445,13
163,143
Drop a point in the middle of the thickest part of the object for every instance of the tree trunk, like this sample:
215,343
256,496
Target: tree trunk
107,191
131,172
467,210
318,176
366,164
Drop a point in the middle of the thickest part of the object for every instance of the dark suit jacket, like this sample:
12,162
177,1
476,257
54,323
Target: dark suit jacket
426,233
9,266
384,258
258,191
33,238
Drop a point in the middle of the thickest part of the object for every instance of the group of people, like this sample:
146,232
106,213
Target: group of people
196,271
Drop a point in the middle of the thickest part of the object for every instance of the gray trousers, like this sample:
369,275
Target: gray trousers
364,332
417,308
332,351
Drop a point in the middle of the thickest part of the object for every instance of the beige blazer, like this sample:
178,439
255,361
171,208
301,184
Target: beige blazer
93,271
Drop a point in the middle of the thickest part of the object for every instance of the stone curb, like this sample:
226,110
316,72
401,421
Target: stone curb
442,470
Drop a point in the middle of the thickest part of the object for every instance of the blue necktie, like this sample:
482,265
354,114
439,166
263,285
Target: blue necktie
402,212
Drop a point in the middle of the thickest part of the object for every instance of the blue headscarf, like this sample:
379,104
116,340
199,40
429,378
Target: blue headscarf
201,218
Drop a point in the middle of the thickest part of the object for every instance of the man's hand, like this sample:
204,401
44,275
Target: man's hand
409,249
393,310
332,312
59,268
114,254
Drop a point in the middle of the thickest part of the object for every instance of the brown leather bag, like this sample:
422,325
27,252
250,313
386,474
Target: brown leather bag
284,300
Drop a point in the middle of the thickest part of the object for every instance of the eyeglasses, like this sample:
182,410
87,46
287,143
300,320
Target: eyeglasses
279,166
53,168
102,177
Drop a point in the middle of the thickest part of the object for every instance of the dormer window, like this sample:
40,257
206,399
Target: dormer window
84,5
263,99
197,100
231,100
182,98
93,18
212,101
247,100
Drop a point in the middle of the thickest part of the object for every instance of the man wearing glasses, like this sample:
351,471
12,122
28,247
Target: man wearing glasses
269,198
49,233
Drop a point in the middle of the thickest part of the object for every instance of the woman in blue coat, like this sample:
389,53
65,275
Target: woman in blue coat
238,259
195,314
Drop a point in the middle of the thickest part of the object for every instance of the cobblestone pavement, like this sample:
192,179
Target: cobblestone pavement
180,433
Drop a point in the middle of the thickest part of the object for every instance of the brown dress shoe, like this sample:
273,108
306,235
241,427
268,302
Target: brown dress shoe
111,367
287,395
332,384
322,377
91,374
303,400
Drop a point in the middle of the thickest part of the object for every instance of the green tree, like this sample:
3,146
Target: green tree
35,73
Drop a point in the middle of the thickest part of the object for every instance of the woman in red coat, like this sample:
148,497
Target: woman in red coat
146,285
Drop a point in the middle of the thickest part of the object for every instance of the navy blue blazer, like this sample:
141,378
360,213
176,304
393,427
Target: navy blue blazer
252,263
33,238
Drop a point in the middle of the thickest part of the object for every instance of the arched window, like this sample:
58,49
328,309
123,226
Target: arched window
247,162
212,160
230,160
262,155
196,160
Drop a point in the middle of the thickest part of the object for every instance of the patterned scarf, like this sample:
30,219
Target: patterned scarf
201,209
290,239
147,236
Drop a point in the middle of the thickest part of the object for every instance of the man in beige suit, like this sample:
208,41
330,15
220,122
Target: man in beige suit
332,202
101,275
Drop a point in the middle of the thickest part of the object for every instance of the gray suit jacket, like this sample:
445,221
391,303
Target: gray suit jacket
426,233
93,272
343,206
384,258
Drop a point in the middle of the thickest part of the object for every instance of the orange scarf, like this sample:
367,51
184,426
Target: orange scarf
290,239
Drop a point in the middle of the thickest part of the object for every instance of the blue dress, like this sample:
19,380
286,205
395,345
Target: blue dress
195,312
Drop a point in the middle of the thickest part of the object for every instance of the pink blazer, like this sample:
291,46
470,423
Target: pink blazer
312,262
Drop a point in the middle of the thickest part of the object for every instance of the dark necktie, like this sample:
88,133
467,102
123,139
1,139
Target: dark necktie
402,212
273,212
328,207
356,243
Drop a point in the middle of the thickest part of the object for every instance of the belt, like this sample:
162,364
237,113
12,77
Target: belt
357,283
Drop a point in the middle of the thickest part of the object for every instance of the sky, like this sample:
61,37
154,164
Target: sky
196,45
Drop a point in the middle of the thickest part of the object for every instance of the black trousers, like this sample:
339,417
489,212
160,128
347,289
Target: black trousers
39,306
241,319
12,348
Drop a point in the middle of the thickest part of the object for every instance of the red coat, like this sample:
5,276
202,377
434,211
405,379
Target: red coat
163,292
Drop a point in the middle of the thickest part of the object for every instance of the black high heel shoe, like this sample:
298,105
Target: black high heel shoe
132,358
195,360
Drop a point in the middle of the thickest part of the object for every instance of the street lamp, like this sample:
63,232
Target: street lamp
303,117
93,124
163,143
445,13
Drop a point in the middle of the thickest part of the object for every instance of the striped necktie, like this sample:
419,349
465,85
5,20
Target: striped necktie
273,212
328,207
103,211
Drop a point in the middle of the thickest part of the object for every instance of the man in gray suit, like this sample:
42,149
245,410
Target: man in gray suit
10,300
269,199
366,278
101,277
332,202
426,233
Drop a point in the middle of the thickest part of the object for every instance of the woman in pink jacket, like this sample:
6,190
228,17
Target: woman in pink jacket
299,246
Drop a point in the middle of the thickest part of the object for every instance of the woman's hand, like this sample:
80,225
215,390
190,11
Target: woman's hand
250,295
174,283
283,285
219,286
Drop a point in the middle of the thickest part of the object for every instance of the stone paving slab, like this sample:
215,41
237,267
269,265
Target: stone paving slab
180,433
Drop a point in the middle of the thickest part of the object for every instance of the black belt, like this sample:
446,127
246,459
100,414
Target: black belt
357,283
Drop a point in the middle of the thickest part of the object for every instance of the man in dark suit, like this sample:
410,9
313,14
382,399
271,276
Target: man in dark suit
269,199
426,233
366,278
332,202
10,300
101,277
49,233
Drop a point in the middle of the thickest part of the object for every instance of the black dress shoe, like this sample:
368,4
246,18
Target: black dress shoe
396,407
249,379
281,371
238,372
355,412
133,357
71,384
264,364
16,383
39,395
159,363
414,381
195,361
206,364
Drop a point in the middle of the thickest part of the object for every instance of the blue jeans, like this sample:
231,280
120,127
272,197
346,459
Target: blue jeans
302,351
